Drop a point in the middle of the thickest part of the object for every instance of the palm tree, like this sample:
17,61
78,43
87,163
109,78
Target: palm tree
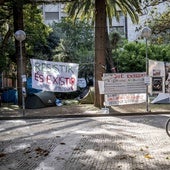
98,11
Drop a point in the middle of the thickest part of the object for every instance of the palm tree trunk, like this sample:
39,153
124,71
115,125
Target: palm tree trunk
18,25
109,60
100,48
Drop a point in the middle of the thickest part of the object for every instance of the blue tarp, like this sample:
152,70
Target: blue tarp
31,90
10,96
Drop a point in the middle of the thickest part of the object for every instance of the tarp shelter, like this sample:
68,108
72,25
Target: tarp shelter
40,100
162,98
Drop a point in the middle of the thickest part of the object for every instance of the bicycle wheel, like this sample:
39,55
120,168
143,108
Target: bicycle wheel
168,127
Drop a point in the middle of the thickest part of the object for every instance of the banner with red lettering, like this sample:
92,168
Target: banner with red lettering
54,76
124,88
122,99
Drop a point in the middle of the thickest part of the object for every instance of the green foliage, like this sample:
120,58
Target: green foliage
6,45
37,32
115,39
84,9
158,21
132,57
75,44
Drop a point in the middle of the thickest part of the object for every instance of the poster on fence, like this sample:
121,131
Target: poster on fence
159,71
156,68
167,77
122,99
54,76
124,83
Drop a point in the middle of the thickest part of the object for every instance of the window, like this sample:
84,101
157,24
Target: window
51,15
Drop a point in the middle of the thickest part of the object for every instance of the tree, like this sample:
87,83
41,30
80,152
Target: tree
160,26
19,25
11,20
115,39
37,33
157,13
100,9
145,3
17,8
5,34
74,43
131,58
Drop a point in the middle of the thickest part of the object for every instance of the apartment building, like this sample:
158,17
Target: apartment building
55,12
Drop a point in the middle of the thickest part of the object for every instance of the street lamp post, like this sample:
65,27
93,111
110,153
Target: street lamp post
146,33
20,36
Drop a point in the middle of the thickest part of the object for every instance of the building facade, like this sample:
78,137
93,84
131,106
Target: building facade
55,12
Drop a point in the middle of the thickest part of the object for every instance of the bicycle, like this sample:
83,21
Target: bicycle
168,127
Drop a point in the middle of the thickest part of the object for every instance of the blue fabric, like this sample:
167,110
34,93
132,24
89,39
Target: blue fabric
31,90
10,96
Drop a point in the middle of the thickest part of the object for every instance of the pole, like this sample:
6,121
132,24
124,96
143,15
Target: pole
22,82
147,73
146,33
20,36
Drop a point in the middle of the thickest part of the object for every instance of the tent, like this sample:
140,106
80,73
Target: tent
40,100
87,97
162,98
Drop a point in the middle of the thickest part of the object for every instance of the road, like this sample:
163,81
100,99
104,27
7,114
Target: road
88,143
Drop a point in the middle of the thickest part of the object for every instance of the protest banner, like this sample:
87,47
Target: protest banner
124,83
54,76
122,99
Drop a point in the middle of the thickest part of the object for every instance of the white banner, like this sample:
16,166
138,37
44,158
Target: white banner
122,99
54,76
124,83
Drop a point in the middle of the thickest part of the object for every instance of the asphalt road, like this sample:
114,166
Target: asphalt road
89,143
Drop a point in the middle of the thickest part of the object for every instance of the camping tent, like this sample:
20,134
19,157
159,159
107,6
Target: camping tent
40,100
87,97
162,98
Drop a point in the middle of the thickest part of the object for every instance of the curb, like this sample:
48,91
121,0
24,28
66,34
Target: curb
82,115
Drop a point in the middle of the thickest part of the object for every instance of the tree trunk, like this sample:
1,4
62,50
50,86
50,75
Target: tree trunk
100,48
18,25
109,60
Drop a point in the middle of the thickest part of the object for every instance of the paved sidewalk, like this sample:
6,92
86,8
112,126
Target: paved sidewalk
89,143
